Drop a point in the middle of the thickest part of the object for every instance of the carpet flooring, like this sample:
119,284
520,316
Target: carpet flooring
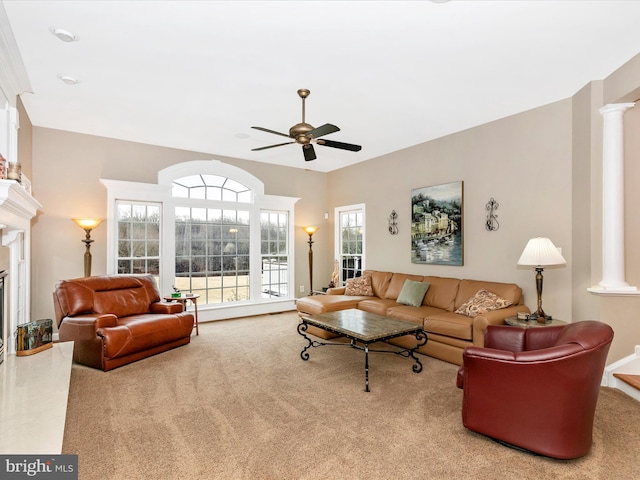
239,403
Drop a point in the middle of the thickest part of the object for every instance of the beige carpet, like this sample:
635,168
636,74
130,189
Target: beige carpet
239,403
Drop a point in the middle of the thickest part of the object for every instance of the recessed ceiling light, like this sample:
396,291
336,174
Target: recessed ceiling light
64,35
68,79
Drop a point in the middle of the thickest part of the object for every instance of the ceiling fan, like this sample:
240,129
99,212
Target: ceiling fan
305,135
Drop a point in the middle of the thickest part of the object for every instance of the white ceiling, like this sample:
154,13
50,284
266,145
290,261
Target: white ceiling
196,75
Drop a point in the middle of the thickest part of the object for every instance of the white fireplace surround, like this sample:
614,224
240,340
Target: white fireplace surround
17,208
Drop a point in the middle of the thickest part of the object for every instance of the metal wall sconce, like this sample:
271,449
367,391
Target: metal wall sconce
393,224
491,223
87,224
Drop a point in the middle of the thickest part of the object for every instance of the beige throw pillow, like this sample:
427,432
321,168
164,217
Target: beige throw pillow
359,286
482,302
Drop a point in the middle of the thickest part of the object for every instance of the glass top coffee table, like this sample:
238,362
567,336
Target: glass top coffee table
363,328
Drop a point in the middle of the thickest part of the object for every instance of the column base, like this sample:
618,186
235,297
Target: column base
614,290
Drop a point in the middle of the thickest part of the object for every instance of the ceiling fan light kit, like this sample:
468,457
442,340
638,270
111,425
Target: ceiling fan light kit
306,135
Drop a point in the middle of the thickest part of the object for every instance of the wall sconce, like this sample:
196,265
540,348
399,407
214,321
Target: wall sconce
491,223
310,231
393,223
87,224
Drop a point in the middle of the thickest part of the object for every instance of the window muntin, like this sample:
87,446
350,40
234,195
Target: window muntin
138,238
274,254
211,187
213,253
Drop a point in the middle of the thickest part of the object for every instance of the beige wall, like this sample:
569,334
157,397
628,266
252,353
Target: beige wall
523,162
66,172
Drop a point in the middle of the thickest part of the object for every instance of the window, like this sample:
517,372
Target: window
138,238
206,227
350,234
212,256
274,251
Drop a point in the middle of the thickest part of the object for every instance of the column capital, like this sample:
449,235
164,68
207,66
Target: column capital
616,107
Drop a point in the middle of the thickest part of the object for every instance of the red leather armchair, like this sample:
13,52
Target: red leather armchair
536,388
118,319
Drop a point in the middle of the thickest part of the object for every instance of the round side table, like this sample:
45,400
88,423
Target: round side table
515,322
193,298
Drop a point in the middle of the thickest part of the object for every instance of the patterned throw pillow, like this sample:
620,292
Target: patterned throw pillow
482,302
359,286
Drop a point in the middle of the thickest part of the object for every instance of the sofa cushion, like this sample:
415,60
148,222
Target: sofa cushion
376,305
442,292
482,302
413,293
359,286
449,324
379,281
327,303
397,282
411,314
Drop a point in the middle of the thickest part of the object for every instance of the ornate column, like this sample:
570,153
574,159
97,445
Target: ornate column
613,255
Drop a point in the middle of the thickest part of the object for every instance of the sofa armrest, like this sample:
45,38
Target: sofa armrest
336,291
495,317
166,307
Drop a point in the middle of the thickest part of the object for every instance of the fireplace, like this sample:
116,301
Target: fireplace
17,208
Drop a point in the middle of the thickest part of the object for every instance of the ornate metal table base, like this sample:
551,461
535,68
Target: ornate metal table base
421,339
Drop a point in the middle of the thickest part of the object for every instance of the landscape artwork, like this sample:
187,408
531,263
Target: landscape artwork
436,224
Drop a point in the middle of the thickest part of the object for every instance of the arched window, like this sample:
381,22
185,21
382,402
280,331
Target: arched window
205,228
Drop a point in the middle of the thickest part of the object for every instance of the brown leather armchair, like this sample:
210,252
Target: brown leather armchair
118,319
536,388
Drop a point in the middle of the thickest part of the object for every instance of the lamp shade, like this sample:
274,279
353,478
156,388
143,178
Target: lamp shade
87,223
541,252
310,230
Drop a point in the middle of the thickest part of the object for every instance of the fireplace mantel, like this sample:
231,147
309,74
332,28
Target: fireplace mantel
17,208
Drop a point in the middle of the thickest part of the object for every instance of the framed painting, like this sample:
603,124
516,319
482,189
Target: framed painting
436,224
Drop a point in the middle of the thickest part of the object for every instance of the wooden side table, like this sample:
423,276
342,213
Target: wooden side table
515,322
193,298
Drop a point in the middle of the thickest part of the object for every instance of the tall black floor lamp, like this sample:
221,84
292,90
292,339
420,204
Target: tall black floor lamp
310,231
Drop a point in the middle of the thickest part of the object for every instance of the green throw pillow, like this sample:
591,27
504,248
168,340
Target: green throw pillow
413,293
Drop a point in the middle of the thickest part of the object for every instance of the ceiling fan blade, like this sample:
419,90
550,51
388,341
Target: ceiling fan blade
271,131
309,152
270,146
342,146
322,130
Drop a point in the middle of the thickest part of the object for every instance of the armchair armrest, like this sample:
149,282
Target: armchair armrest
90,321
166,307
84,330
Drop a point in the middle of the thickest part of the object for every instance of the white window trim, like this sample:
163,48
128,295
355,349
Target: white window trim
162,193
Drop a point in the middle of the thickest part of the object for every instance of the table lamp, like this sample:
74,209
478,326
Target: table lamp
540,252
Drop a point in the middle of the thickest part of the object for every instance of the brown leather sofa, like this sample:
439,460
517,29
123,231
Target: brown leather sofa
547,379
449,333
118,319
